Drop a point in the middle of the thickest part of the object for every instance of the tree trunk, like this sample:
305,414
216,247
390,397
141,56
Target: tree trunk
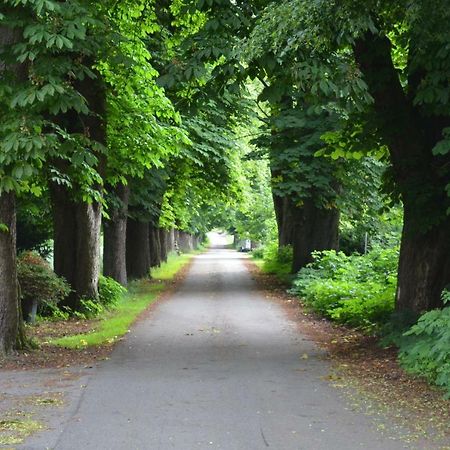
11,325
285,220
424,268
171,240
9,303
183,241
115,238
155,246
163,234
138,249
76,244
315,229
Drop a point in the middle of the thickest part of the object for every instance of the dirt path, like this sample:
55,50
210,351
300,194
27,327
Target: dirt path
216,366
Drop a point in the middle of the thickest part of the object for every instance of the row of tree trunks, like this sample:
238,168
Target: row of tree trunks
148,246
185,241
115,237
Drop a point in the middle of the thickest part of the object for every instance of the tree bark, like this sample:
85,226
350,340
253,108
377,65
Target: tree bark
11,326
115,238
155,246
163,234
9,302
285,220
424,268
171,240
76,244
315,229
77,224
138,249
183,241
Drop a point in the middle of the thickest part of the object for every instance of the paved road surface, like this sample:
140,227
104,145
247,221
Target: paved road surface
216,366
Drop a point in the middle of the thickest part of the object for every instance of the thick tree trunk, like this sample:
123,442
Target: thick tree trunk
138,249
9,304
155,246
115,238
315,229
424,268
171,240
163,234
285,220
76,244
183,241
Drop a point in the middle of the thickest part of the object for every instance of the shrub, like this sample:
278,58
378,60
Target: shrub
357,290
38,282
109,291
258,253
278,260
425,351
109,295
88,309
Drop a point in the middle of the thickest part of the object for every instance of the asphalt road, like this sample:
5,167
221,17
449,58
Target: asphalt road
217,366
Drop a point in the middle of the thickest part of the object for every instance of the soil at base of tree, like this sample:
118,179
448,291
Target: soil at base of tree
367,373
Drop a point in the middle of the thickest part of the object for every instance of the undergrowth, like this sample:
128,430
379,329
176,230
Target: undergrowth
356,290
425,347
277,261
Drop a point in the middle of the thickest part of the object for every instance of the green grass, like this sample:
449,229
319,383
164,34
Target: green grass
140,295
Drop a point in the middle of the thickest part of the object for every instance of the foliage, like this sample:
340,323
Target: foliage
109,292
383,228
355,290
38,282
278,260
34,223
258,253
425,348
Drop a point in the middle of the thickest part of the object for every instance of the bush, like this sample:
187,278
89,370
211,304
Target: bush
425,349
109,295
109,291
38,282
357,290
278,260
258,253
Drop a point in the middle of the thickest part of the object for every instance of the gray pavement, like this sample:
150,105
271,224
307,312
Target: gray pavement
216,366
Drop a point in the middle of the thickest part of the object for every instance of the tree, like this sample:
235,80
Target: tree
387,61
10,70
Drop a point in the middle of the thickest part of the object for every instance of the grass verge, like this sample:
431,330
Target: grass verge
140,295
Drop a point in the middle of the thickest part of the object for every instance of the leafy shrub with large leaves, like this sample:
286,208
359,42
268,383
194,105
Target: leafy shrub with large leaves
425,347
356,290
